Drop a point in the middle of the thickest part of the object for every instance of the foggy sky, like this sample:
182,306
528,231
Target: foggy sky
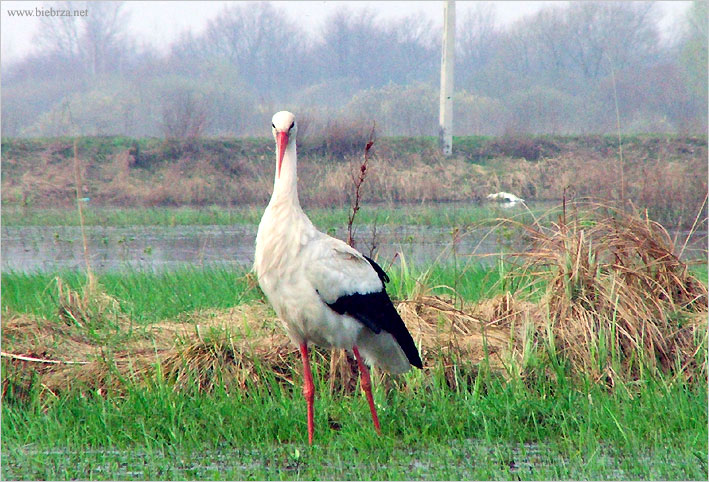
157,24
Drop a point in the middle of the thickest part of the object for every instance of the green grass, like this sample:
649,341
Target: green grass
151,296
489,430
439,215
541,427
701,271
144,296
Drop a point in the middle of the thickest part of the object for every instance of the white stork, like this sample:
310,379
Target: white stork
505,198
324,291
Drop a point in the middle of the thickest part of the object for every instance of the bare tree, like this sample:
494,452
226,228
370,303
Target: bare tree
622,31
184,115
694,48
357,46
476,36
104,37
60,35
97,41
259,40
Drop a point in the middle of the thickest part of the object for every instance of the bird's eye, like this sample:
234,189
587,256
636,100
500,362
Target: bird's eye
273,125
291,126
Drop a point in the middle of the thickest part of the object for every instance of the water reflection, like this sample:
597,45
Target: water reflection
157,248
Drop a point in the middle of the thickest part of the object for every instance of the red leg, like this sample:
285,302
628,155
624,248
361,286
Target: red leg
367,387
308,389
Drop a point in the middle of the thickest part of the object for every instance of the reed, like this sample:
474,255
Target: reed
620,302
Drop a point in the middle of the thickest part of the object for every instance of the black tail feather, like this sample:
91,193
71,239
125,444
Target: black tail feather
376,312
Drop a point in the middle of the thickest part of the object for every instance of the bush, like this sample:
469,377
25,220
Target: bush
98,112
184,115
478,115
399,110
340,140
543,110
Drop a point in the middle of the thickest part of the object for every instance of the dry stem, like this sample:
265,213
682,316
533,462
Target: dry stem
357,181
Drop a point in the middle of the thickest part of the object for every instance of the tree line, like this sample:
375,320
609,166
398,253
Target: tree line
581,67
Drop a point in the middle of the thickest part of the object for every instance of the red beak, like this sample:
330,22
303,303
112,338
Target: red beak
281,143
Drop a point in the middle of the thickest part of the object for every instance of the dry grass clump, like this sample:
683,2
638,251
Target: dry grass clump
35,349
91,305
450,338
43,339
619,299
238,348
204,349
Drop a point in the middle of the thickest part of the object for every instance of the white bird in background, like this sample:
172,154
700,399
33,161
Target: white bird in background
324,291
507,199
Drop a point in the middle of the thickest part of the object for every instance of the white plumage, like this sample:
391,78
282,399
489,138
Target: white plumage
309,276
301,269
505,197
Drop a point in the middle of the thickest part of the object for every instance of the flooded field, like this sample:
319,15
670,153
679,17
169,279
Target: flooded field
41,248
156,248
470,459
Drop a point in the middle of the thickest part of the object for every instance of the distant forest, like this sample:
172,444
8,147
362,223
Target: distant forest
576,68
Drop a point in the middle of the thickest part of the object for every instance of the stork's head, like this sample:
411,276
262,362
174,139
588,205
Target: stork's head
284,130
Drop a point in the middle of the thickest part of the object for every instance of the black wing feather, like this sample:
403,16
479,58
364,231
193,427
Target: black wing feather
380,272
376,312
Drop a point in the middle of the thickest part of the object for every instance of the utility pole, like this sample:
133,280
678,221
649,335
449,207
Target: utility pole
445,120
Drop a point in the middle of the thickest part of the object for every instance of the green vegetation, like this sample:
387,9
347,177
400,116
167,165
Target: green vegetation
146,297
150,297
440,215
484,425
588,360
490,430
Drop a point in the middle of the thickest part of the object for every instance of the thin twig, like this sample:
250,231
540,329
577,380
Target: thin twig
42,360
621,166
79,187
373,242
694,225
358,181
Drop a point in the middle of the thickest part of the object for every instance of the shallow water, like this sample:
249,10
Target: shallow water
42,248
158,248
465,459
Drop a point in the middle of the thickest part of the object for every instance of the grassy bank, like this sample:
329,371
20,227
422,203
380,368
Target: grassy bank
664,174
438,215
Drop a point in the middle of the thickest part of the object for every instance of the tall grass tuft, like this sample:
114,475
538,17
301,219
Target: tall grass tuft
620,302
92,305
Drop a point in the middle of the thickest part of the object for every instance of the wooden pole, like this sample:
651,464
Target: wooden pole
445,135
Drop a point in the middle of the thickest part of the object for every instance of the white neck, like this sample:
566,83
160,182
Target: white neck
285,185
